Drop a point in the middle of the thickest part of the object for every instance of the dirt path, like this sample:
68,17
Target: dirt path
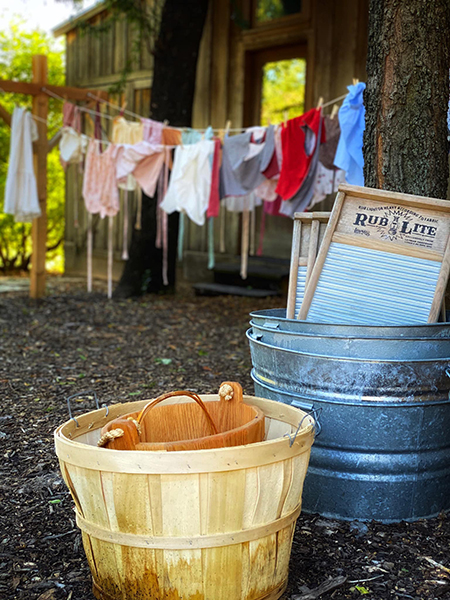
135,350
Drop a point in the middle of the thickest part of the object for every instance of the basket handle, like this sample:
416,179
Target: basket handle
195,397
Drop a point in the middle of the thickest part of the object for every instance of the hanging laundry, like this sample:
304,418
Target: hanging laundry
239,174
21,197
127,132
302,198
152,131
349,155
72,146
327,150
144,161
190,136
190,184
300,137
71,116
171,137
258,132
327,181
267,190
242,203
214,196
100,191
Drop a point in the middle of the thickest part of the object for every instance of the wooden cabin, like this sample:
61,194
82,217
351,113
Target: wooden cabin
241,39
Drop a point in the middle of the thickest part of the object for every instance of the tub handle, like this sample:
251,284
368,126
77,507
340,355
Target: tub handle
97,405
270,325
311,412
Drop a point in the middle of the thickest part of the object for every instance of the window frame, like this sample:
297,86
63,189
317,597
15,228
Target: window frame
299,17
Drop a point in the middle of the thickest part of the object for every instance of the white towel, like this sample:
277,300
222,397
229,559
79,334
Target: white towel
21,197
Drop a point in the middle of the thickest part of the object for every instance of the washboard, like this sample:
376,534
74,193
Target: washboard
384,260
308,231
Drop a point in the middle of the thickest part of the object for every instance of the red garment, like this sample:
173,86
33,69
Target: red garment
272,169
214,197
298,139
273,208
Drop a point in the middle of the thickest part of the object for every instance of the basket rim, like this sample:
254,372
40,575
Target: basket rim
185,461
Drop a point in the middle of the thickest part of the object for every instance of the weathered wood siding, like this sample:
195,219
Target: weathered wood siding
335,32
98,61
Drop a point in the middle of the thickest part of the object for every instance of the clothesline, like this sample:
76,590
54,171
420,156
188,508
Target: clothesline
135,115
330,102
35,117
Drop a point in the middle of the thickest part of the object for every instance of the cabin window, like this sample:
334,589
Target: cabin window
269,10
283,90
275,84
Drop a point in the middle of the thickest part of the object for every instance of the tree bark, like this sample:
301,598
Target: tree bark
405,140
175,66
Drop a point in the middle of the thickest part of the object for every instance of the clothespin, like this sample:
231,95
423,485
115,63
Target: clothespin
227,127
319,104
355,81
334,110
122,109
285,116
165,122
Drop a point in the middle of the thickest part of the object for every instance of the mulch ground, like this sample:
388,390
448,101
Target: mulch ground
128,350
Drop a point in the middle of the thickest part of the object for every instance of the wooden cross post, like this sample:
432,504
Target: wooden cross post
37,89
39,226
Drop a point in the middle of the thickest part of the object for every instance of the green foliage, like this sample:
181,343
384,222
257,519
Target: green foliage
267,10
283,90
17,46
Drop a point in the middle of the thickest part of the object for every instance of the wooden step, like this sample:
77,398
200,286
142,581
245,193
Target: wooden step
220,289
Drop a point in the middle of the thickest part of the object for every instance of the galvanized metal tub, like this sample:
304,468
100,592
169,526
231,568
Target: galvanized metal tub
387,348
384,449
275,318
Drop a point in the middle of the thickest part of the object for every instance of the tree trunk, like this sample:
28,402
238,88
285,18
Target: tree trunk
175,65
405,140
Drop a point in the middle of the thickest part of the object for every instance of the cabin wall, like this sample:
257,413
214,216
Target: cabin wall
98,61
335,32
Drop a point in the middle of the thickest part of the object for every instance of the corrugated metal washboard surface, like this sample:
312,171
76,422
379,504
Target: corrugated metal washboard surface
371,287
300,290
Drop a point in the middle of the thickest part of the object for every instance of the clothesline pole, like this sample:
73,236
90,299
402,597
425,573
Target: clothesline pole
39,226
39,89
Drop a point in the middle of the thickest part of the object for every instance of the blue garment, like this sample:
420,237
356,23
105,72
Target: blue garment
190,136
349,155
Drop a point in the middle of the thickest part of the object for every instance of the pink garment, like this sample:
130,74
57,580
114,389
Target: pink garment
266,190
214,198
162,219
100,191
142,160
152,131
71,116
147,173
273,208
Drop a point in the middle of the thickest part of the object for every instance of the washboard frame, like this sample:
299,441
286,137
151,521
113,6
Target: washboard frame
344,217
315,222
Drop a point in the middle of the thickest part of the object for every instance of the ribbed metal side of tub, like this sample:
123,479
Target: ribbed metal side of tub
275,318
384,449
